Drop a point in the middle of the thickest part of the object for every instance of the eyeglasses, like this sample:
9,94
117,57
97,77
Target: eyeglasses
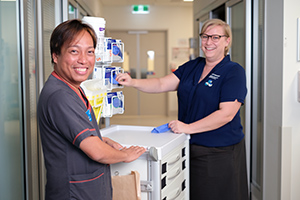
214,38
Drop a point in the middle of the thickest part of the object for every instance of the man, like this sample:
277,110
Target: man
77,158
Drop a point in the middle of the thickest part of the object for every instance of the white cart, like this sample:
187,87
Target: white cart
164,168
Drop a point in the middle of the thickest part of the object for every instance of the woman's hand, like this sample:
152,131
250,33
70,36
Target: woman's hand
178,126
217,119
125,79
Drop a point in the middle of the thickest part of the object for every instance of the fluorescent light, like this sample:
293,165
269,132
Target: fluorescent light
188,0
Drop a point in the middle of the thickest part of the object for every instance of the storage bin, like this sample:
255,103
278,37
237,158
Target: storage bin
96,94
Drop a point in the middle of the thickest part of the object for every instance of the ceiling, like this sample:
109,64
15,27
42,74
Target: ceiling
145,2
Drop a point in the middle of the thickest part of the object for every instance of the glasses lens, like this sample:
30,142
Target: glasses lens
204,37
215,38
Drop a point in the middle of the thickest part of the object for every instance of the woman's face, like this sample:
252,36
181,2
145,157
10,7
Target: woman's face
76,60
214,51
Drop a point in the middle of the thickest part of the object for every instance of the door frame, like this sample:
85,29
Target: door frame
248,67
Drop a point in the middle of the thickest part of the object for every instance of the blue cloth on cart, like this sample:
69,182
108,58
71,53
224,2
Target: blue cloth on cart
161,129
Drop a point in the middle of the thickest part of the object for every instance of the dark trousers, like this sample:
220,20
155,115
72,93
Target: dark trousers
218,173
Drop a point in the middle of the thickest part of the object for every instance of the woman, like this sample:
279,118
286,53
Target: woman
210,93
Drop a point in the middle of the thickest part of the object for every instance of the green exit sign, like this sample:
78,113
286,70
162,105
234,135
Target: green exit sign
140,9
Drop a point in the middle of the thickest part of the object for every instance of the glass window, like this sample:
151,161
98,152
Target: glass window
11,137
237,51
48,26
72,11
29,73
150,62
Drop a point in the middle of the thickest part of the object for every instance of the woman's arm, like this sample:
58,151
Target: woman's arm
215,120
152,85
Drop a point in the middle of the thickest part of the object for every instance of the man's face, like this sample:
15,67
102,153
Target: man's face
76,60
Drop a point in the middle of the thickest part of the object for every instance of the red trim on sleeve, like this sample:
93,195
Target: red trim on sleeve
81,133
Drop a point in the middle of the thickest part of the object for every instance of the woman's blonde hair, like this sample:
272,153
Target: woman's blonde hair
226,28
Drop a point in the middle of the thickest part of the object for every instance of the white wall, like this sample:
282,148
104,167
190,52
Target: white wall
95,6
178,21
291,107
282,111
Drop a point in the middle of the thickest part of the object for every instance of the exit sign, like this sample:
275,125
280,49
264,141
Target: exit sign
140,9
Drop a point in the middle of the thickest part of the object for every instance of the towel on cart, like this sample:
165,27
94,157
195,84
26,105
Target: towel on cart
161,129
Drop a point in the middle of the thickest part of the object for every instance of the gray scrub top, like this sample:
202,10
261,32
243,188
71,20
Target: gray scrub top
65,119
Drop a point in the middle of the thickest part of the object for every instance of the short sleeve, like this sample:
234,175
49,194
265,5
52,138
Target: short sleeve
68,115
179,71
188,67
234,85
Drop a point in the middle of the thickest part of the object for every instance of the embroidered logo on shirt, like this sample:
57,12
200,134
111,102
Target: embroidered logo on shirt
88,113
209,83
213,76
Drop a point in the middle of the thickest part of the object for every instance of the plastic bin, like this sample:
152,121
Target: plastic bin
96,94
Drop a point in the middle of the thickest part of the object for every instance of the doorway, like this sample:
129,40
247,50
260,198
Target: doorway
137,45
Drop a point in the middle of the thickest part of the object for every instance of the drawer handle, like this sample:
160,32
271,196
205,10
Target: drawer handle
176,195
176,173
174,160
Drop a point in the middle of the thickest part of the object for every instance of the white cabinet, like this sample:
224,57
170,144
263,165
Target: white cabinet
164,168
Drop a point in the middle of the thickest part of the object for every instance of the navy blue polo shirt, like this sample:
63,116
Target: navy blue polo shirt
226,82
65,120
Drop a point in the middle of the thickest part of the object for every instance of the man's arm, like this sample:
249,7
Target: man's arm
102,152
